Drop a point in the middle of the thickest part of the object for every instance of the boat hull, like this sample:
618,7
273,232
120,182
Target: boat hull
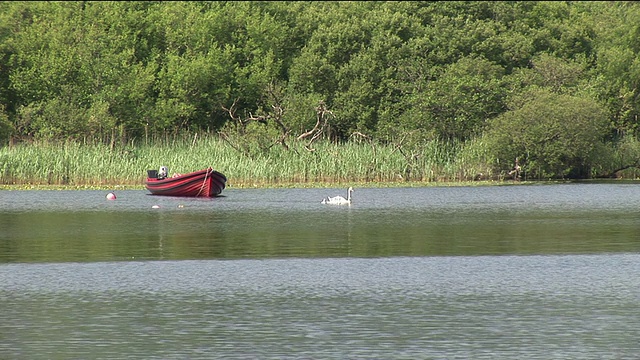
203,183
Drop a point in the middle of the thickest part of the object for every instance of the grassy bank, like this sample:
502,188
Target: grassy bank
74,164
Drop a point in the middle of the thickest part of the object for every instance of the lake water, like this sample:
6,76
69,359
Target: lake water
498,272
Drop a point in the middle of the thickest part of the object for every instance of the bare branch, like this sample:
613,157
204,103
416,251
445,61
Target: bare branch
232,110
276,115
225,137
322,115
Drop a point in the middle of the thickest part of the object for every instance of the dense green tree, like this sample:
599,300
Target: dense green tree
457,104
552,135
80,60
121,71
616,79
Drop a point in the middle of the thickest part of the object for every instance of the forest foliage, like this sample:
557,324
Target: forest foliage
554,84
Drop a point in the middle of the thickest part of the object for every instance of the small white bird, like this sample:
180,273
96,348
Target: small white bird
339,200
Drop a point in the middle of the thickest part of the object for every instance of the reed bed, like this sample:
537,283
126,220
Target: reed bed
87,164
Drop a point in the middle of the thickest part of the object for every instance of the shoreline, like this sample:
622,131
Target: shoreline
248,185
327,185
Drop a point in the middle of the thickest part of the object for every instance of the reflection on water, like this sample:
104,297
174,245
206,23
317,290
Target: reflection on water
517,272
54,226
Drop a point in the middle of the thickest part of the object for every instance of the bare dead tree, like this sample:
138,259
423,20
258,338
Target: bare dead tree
226,138
275,115
410,158
371,168
615,172
322,122
232,114
515,171
398,146
240,127
241,124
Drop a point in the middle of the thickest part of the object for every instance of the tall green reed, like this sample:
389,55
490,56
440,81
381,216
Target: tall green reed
75,163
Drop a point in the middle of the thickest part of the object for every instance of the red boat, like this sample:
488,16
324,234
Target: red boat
203,183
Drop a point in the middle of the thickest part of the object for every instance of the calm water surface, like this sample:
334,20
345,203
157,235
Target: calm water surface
502,272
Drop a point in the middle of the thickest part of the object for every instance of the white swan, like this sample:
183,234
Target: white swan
339,200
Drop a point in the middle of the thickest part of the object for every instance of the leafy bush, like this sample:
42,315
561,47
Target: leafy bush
553,136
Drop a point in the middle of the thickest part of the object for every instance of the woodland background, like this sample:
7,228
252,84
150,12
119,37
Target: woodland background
554,84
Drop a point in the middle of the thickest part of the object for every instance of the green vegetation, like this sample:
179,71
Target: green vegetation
303,92
77,164
96,165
